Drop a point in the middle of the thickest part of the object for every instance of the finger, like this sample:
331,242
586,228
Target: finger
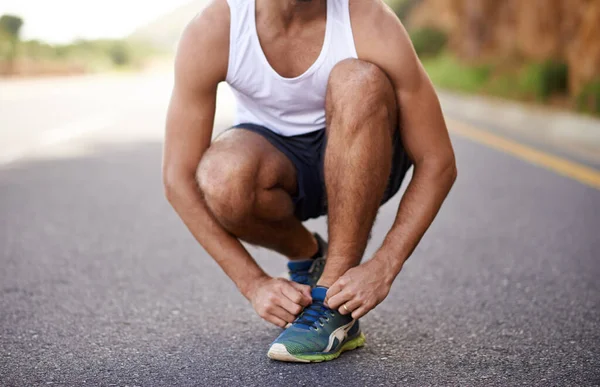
333,290
360,312
339,299
289,305
349,306
293,293
304,291
276,321
283,314
307,291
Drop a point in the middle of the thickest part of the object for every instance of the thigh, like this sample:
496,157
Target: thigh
303,171
253,157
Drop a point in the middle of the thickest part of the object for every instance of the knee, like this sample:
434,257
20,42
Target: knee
360,88
227,186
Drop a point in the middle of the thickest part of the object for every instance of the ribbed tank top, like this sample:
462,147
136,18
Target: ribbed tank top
287,106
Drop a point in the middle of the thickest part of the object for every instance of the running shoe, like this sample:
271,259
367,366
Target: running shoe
308,272
318,334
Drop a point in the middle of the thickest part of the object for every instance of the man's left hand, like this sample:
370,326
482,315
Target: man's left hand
361,288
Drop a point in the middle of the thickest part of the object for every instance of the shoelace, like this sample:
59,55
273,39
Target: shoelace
316,313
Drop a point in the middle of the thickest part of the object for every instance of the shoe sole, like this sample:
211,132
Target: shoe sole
279,352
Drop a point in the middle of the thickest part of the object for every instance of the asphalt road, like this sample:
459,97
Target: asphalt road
101,284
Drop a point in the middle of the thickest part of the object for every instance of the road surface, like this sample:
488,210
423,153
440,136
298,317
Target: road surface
102,285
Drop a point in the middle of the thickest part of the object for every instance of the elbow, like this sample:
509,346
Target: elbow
178,184
453,171
169,186
449,171
172,185
440,169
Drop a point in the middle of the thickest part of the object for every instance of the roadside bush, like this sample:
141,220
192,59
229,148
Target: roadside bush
588,99
429,41
542,80
35,49
6,46
447,72
120,54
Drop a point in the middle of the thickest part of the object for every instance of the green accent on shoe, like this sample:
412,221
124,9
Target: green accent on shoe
280,352
357,342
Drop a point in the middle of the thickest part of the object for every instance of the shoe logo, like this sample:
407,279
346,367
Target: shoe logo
336,342
339,336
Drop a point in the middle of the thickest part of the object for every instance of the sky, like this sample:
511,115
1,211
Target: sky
61,21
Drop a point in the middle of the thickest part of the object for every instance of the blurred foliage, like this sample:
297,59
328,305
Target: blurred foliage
515,77
542,80
428,41
588,100
11,25
10,29
536,81
120,54
91,54
532,82
37,57
402,8
446,71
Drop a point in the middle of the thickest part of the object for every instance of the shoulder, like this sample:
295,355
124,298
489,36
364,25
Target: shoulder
204,44
370,10
375,25
208,31
380,38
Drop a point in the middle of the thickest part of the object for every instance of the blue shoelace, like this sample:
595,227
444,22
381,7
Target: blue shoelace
317,312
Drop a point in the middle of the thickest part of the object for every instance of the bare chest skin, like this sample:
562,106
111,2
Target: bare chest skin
291,51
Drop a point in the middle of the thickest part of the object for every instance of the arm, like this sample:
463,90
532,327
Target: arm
200,65
381,39
425,138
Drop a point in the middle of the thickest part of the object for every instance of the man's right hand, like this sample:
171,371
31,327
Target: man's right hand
278,300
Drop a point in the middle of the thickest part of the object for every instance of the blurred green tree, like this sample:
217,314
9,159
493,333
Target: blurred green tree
428,41
545,79
10,30
11,25
120,54
588,99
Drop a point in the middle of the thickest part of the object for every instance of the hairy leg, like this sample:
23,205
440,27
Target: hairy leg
361,118
247,184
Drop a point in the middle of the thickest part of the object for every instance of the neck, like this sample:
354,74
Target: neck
288,12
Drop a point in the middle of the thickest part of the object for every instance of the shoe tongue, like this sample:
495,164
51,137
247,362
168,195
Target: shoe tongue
300,265
318,293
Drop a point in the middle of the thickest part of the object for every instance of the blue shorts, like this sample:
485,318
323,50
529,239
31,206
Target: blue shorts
307,154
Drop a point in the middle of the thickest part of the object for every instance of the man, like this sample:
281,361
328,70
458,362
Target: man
333,107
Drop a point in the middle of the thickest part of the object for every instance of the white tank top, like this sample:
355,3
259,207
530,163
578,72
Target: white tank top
287,106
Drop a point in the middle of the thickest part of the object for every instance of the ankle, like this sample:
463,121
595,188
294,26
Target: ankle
307,251
326,282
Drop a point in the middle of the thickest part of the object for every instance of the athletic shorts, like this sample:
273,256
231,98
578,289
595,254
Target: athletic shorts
307,154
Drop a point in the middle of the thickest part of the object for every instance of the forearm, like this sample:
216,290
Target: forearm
420,204
225,249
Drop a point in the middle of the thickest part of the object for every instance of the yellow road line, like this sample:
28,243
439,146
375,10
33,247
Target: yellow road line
564,167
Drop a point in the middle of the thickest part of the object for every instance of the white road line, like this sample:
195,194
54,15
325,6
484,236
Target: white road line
59,135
